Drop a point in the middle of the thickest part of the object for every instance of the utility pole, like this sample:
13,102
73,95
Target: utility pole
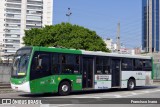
69,14
118,38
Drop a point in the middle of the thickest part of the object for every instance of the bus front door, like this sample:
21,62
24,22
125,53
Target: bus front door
115,72
87,73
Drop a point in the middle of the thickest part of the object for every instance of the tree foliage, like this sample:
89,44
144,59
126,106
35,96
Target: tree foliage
65,35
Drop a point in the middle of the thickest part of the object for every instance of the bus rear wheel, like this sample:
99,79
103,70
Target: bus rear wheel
64,88
131,84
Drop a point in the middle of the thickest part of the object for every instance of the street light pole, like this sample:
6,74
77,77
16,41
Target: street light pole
69,14
118,38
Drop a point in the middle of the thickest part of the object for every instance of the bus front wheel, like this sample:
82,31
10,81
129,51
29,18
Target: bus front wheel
64,88
131,84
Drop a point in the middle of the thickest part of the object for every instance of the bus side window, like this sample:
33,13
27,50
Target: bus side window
127,64
147,65
138,65
77,60
34,64
63,59
99,65
56,64
70,64
67,66
40,66
102,65
77,65
106,65
43,63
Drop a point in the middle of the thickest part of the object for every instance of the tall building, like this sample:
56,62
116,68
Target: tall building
19,15
151,25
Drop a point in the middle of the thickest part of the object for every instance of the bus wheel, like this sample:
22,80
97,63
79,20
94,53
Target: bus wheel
64,88
131,84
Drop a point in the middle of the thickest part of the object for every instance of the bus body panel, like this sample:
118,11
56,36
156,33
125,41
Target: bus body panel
51,83
138,75
102,81
20,84
24,87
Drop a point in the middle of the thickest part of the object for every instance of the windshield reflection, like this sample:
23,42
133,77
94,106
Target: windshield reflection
20,64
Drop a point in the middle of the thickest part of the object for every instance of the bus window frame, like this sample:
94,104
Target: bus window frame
102,65
132,68
33,72
146,69
62,64
58,64
135,62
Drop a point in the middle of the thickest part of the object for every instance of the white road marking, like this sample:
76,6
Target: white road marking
118,96
62,105
85,96
107,95
44,105
134,93
146,91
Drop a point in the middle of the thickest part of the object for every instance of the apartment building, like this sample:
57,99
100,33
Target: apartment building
19,15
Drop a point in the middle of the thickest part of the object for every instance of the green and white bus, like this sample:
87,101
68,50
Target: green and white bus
50,69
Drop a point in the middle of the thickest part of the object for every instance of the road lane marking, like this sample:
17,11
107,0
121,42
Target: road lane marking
146,91
118,96
86,97
62,105
44,105
134,93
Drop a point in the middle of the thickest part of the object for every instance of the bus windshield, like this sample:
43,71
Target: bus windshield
20,63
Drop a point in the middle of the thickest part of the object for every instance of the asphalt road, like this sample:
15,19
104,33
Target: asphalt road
91,98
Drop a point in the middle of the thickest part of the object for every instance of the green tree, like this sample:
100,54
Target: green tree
65,35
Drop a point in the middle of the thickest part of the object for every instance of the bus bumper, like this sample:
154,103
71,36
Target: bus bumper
25,87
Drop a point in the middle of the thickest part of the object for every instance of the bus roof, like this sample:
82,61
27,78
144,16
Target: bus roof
99,53
84,52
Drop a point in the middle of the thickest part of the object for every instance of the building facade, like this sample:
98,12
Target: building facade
151,25
138,50
19,15
110,44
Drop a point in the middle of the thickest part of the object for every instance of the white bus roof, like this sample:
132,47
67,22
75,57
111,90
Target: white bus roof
99,53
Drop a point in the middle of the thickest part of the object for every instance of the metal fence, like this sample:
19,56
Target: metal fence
5,73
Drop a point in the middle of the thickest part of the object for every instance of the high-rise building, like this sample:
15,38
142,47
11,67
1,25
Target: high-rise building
19,15
151,25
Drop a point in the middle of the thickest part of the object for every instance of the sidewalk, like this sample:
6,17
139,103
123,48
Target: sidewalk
156,82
